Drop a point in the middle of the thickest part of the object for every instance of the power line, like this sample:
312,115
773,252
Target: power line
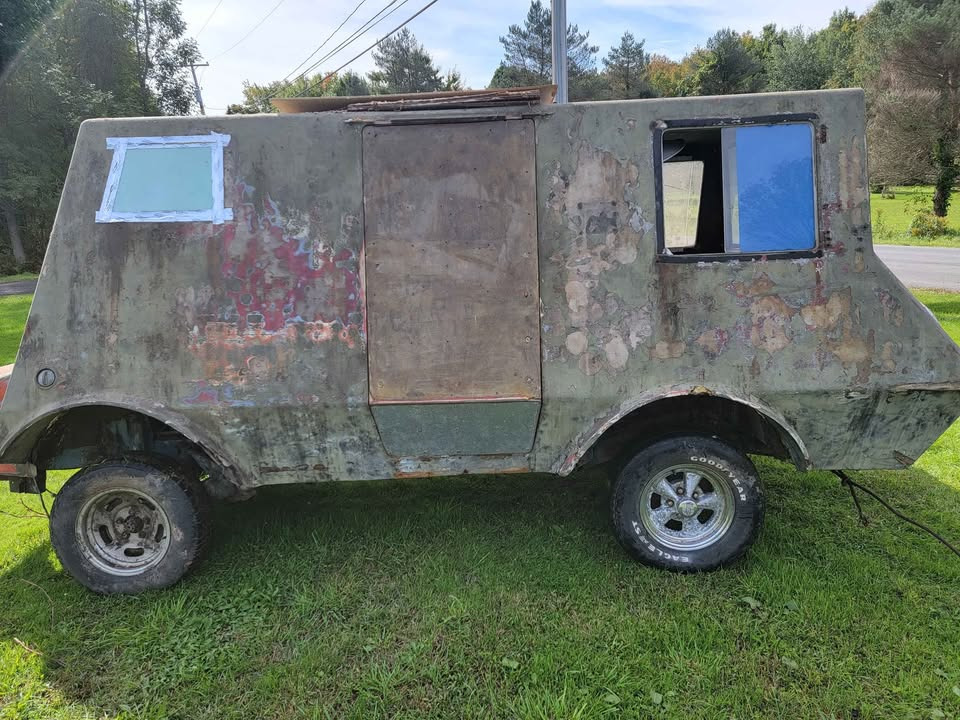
366,27
366,50
321,45
251,31
344,43
209,18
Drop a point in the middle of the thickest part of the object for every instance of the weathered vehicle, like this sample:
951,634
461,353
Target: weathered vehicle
479,283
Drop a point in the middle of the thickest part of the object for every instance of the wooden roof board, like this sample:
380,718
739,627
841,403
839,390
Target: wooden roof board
531,95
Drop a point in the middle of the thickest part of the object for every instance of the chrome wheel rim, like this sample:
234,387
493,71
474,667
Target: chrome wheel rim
123,532
687,507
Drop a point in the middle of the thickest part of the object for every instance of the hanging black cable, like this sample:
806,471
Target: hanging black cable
321,45
209,18
371,47
371,23
249,32
851,484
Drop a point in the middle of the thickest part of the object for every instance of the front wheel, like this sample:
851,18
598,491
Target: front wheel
687,503
128,526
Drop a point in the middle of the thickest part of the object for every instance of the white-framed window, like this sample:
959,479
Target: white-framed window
176,178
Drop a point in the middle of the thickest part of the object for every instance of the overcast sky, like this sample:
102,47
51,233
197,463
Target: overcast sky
461,34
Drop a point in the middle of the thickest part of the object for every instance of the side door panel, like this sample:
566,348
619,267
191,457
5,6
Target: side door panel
452,286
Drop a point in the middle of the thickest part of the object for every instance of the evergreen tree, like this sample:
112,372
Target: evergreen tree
626,69
403,66
528,56
351,84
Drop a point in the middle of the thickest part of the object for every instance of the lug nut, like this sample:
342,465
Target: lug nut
679,490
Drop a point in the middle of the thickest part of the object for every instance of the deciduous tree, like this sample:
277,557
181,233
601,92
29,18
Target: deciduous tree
728,67
60,66
796,64
914,48
163,57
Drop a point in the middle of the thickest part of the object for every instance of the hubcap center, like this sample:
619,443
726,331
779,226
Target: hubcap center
687,508
133,524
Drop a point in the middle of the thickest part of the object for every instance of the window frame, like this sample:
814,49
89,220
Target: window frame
217,215
662,126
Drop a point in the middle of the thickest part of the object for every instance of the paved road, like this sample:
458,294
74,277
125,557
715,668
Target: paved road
917,267
19,287
923,267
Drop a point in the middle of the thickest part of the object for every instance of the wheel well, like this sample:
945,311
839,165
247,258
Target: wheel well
736,423
89,434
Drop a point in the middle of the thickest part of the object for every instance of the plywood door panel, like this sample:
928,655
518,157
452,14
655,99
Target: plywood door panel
451,262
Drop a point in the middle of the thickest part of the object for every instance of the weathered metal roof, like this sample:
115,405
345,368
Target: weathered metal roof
532,95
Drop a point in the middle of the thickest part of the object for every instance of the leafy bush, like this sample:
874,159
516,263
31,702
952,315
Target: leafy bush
927,225
8,265
881,231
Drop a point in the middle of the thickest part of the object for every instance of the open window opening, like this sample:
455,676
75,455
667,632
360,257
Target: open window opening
738,190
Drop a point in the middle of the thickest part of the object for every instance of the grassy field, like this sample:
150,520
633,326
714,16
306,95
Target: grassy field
505,597
891,218
18,276
13,315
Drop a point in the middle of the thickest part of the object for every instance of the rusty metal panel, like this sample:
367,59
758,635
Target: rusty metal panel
451,261
441,429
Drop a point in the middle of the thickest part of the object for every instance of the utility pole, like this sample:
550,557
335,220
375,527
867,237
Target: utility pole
559,46
196,85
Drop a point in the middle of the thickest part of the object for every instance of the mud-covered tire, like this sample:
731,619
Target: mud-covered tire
126,526
666,526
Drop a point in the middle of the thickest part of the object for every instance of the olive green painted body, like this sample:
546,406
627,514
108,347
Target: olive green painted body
830,348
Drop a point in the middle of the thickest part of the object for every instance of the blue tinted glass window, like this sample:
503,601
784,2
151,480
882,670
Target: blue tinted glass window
769,184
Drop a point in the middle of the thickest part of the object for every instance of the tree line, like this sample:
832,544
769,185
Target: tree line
62,63
905,53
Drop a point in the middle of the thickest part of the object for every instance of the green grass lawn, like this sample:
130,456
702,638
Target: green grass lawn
505,597
891,218
18,276
13,315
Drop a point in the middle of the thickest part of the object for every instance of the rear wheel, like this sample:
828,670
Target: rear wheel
128,526
687,503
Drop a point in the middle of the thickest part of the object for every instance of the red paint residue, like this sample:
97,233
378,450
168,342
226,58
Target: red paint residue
274,278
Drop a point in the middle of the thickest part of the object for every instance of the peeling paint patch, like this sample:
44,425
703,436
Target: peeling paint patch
761,285
888,359
576,342
892,309
713,341
616,352
770,329
664,350
598,328
826,315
